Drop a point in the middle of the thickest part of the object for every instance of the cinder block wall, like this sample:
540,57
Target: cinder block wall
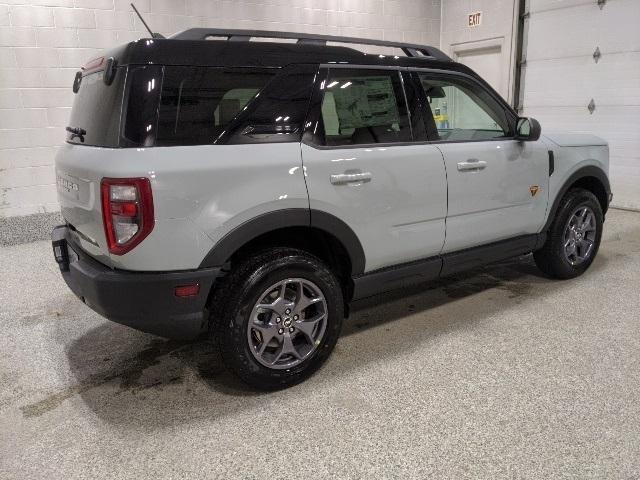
44,42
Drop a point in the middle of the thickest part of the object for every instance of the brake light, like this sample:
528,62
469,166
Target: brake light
93,65
127,212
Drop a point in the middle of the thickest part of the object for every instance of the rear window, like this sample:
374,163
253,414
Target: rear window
96,110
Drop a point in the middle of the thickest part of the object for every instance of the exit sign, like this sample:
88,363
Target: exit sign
475,19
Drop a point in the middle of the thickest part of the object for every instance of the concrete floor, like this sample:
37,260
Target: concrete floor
498,373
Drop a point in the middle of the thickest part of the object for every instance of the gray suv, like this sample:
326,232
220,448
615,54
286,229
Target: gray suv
248,191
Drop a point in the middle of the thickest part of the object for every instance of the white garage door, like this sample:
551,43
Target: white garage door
561,77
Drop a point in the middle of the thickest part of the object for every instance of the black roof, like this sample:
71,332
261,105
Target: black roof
192,47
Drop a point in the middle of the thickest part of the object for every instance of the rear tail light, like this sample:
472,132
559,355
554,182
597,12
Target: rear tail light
127,212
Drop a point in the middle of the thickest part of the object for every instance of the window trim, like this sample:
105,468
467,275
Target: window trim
309,137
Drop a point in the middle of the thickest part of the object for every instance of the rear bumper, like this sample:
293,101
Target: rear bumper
145,301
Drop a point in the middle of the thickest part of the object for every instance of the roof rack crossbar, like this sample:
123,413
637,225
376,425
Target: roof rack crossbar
409,49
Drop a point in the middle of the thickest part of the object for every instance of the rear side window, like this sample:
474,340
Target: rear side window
364,107
198,104
96,110
279,113
142,105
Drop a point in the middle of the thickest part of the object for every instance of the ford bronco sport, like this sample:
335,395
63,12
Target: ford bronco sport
250,190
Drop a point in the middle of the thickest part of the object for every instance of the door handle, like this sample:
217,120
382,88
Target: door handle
355,177
472,165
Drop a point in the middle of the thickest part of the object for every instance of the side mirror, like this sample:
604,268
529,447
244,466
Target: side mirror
528,129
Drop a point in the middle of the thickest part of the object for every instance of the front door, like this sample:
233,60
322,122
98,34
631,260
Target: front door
497,185
362,166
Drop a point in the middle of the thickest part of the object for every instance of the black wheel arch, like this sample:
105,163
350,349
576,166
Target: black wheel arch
590,178
297,220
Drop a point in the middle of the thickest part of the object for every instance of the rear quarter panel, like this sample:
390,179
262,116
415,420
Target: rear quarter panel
200,193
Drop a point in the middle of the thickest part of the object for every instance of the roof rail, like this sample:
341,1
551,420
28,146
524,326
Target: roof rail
410,49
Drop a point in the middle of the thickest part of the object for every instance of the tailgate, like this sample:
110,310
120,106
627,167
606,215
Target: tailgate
78,185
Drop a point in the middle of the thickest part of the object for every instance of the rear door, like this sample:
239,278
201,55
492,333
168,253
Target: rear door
497,185
364,165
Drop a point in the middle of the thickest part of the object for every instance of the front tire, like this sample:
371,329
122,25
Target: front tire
574,236
279,318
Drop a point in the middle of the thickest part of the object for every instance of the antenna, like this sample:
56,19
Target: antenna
153,35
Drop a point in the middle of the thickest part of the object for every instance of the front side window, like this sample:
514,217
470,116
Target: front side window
463,111
364,107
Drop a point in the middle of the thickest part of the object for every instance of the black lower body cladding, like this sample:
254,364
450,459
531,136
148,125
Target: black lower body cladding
145,301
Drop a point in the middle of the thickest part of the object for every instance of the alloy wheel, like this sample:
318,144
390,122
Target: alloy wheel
580,235
287,323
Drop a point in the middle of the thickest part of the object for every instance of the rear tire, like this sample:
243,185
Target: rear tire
574,236
279,315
